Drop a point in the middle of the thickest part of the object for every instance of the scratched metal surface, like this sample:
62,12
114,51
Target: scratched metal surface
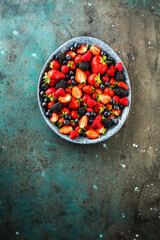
51,189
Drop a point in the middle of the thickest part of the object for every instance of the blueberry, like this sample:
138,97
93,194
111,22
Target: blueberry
72,77
67,117
77,45
121,106
67,77
73,82
90,121
109,58
66,122
103,53
72,48
42,93
71,73
44,104
46,99
93,114
44,86
115,120
68,57
88,114
102,86
65,62
116,107
76,120
48,114
106,114
112,101
107,84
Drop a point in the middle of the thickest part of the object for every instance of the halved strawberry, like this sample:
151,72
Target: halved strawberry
65,99
116,112
65,130
101,129
82,49
92,134
76,92
54,118
80,76
95,50
83,121
104,98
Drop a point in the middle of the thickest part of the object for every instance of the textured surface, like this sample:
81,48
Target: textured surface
51,189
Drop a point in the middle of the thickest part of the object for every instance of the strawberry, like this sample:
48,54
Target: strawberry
92,134
53,97
80,76
111,67
99,117
94,80
65,99
74,114
71,65
55,65
87,56
87,72
88,89
56,75
105,78
60,92
64,111
112,81
96,124
111,72
83,121
49,105
124,101
48,80
116,98
119,66
50,90
65,130
98,64
123,85
61,120
69,81
72,123
64,69
82,85
82,49
99,107
116,112
101,129
54,118
88,127
95,50
74,104
108,91
91,103
72,54
77,129
90,110
78,58
68,90
86,97
104,98
51,82
76,92
109,106
74,134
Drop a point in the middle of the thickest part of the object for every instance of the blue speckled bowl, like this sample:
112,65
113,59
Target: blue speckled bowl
110,132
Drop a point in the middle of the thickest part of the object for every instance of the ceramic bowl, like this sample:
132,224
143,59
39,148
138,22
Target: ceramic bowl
104,47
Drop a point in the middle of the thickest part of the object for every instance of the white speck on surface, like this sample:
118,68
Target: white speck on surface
112,25
123,215
123,165
89,4
17,233
136,189
15,32
142,151
43,174
142,15
96,156
100,235
135,145
137,235
34,55
95,187
133,176
71,1
54,229
104,145
2,52
149,43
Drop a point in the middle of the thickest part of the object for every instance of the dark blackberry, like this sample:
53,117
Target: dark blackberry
119,76
81,111
56,107
84,66
77,45
107,123
61,84
60,57
121,92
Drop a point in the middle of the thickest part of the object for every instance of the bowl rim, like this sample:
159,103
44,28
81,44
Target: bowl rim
111,131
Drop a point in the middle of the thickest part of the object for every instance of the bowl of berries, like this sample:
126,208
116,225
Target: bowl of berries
84,92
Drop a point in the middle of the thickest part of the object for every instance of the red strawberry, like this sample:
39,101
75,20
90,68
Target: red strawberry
88,127
101,129
77,129
72,54
111,67
78,58
116,112
87,72
80,76
124,101
72,123
86,97
56,75
82,49
83,121
123,85
95,50
54,97
98,64
66,130
108,91
55,65
82,85
64,69
94,80
74,104
64,111
91,103
49,105
112,81
60,92
105,78
68,90
109,106
92,134
104,98
96,124
74,114
61,120
119,66
71,64
74,134
90,110
65,99
99,107
51,82
88,89
69,81
116,98
99,117
76,92
111,72
87,56
54,117
50,90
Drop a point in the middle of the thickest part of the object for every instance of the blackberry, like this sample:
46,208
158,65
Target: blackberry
60,57
119,76
81,111
61,84
107,123
121,92
84,66
56,107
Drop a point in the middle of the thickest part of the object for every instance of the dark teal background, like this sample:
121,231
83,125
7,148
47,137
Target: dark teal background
51,189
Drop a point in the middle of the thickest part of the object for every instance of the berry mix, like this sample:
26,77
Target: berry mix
85,92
